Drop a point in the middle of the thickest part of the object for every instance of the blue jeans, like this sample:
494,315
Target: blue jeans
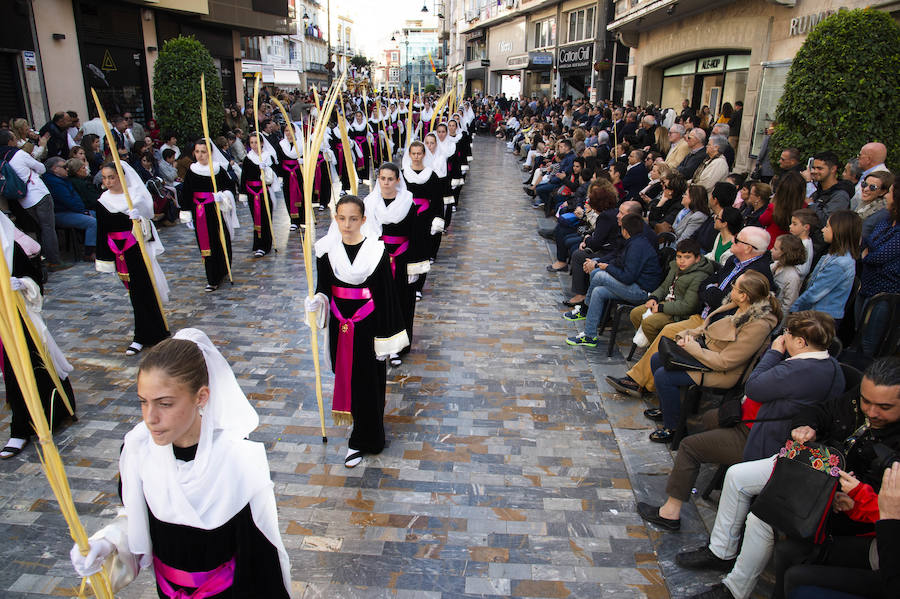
605,287
76,220
668,383
543,189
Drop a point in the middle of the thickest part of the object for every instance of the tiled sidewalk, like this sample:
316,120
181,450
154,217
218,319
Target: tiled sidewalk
503,475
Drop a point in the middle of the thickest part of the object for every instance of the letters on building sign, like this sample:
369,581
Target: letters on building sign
806,23
711,64
575,57
504,47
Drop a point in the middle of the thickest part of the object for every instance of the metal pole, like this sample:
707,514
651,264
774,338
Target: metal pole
612,72
328,14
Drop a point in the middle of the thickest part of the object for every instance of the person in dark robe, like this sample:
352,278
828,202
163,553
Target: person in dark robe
255,167
198,199
359,132
118,251
198,499
391,217
26,279
427,191
435,159
447,144
291,172
355,295
337,143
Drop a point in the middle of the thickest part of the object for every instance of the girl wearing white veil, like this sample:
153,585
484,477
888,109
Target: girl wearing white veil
118,251
289,169
196,200
254,168
198,501
437,161
427,190
25,278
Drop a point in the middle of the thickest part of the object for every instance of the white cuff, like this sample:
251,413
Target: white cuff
464,168
448,200
469,158
391,345
185,216
122,566
418,268
437,226
454,183
104,266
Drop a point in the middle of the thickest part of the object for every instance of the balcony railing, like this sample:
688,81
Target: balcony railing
317,67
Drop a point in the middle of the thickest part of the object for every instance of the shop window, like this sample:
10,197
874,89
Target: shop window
675,89
685,68
581,24
771,88
545,33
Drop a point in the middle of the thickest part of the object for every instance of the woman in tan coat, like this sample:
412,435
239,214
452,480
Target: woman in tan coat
728,339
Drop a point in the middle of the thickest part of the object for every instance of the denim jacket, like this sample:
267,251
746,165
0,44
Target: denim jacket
828,286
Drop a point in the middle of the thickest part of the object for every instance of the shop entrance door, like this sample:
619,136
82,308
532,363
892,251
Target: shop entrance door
511,85
708,91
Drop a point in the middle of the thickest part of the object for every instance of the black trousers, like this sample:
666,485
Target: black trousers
841,565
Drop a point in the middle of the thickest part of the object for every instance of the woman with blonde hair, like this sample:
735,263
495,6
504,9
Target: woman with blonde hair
662,140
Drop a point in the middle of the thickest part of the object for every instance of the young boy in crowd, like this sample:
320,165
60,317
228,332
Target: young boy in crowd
677,297
803,223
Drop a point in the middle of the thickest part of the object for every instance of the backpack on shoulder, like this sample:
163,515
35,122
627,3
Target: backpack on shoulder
11,185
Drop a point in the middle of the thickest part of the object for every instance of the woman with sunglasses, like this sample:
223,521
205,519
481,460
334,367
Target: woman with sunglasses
872,206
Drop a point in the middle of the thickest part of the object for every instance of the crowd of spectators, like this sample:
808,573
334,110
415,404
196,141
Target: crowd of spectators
768,294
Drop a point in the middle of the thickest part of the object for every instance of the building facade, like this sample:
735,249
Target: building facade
715,51
113,45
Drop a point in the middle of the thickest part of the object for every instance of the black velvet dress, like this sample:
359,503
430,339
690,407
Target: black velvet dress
251,184
428,198
193,196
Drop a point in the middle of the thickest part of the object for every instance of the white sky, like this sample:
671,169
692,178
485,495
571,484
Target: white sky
375,20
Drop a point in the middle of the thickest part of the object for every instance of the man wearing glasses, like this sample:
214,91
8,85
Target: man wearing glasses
748,253
696,141
679,149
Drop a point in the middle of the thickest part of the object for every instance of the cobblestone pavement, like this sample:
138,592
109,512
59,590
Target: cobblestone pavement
503,475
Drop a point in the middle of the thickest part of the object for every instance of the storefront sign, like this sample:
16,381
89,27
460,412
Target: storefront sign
711,64
485,63
540,60
29,60
518,62
475,35
504,47
806,23
575,57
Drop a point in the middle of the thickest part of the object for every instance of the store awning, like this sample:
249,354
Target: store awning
287,77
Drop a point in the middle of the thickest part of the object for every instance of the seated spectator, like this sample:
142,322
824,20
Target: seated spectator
749,251
607,226
69,209
167,170
694,212
636,175
728,224
678,149
873,200
875,404
715,168
880,271
80,179
787,254
677,297
92,152
803,223
566,159
629,279
829,284
831,193
696,141
170,142
617,172
743,195
853,173
568,187
146,167
77,152
778,388
728,339
757,203
237,146
662,214
791,196
570,216
652,192
722,196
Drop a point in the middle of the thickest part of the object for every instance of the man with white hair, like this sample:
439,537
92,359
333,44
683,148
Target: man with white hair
724,130
696,140
748,253
646,134
714,168
678,150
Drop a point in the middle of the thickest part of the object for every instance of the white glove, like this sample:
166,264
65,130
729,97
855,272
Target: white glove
242,198
314,303
185,216
412,278
86,565
17,284
133,214
382,357
437,226
370,138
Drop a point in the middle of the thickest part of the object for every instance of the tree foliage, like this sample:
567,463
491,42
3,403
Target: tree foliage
361,62
176,89
430,88
842,88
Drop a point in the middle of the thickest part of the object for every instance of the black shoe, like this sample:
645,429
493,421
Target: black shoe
650,513
703,559
528,191
563,268
654,414
662,435
625,385
717,591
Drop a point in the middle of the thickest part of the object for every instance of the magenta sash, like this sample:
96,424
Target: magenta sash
361,141
206,584
343,367
402,244
129,241
254,188
201,198
293,167
317,182
422,203
339,156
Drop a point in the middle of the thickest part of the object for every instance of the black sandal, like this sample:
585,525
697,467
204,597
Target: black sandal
395,361
356,455
134,349
654,414
662,435
13,451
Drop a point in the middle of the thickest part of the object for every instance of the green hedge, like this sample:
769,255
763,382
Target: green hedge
842,89
176,89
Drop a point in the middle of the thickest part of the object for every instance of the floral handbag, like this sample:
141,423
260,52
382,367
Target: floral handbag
798,496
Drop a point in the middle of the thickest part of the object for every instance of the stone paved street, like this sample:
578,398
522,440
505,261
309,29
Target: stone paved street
503,474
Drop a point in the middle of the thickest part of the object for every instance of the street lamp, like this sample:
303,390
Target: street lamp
424,8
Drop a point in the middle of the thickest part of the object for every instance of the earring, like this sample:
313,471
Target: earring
201,409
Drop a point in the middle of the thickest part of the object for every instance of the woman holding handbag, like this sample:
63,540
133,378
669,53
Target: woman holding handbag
721,347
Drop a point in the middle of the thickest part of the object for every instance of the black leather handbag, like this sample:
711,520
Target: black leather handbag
798,496
675,357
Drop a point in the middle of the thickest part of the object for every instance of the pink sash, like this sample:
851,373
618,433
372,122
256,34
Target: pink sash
402,244
254,188
206,584
422,203
317,182
121,266
343,367
201,198
361,141
339,155
295,195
